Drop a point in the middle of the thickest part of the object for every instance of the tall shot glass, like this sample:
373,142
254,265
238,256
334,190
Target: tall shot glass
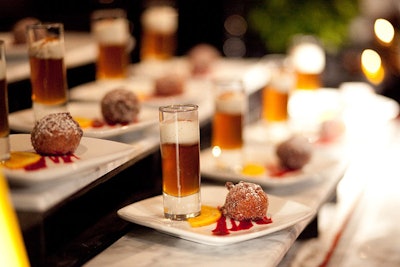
227,127
160,25
230,108
48,72
180,154
4,126
110,28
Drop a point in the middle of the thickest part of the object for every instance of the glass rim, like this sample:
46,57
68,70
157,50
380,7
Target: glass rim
227,82
2,51
108,13
45,25
178,108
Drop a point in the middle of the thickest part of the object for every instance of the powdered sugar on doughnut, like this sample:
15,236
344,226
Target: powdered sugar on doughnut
58,123
245,201
120,106
56,134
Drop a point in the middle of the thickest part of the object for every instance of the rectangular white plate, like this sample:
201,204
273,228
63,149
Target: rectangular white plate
312,171
90,153
143,87
149,212
23,120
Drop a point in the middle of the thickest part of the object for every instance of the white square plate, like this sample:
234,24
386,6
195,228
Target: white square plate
23,120
90,153
143,87
312,171
149,212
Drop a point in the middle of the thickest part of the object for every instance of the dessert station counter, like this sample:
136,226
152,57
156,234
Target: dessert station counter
76,219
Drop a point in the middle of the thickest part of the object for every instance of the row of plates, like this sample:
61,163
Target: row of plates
149,212
23,121
85,105
93,151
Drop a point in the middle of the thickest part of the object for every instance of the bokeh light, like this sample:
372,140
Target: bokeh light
384,31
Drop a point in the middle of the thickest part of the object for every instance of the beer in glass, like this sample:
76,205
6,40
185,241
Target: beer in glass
159,26
4,127
275,95
110,28
48,72
180,154
308,59
228,120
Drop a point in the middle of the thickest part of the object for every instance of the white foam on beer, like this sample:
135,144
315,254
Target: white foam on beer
308,58
283,81
47,49
111,31
181,132
234,103
162,19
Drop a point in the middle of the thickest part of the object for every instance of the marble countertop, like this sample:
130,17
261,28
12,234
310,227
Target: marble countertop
360,228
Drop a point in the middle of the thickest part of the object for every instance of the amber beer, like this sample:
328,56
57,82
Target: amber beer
228,120
182,181
160,24
180,154
308,81
48,79
275,105
48,72
112,62
111,31
227,130
4,127
308,60
275,95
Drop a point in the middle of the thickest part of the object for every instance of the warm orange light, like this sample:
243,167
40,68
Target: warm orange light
371,65
384,31
12,248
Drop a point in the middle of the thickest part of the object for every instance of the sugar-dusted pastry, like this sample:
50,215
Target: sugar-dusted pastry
294,152
19,29
56,134
245,201
120,106
169,85
201,58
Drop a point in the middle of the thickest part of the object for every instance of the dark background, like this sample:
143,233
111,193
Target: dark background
199,21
